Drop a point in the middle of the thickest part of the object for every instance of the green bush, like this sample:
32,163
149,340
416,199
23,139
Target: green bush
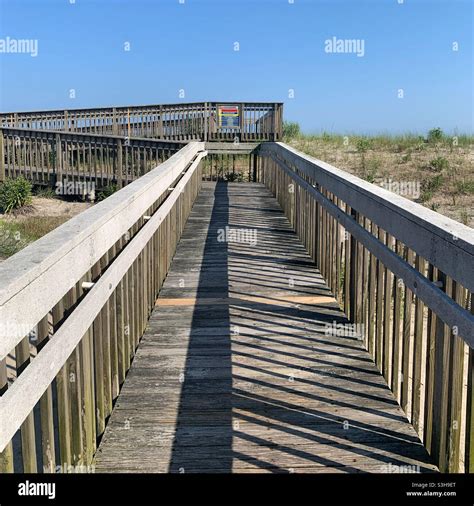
14,193
429,186
291,129
106,191
362,145
439,164
435,135
465,187
45,192
234,177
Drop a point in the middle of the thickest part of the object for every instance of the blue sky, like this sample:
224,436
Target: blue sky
190,47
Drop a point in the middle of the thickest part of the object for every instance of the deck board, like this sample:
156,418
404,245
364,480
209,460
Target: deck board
236,371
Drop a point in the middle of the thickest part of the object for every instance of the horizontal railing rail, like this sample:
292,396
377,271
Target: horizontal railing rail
50,157
73,307
405,275
184,121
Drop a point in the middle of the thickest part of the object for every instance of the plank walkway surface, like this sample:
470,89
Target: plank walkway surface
237,372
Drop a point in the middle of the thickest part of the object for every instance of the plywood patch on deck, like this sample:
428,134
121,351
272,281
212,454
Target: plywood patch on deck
289,301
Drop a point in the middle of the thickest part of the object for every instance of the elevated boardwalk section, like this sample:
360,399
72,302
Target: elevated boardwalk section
244,363
243,366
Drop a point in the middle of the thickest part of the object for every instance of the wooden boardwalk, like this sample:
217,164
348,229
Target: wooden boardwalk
237,371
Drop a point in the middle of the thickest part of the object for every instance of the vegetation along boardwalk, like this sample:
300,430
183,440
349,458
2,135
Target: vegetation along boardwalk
243,366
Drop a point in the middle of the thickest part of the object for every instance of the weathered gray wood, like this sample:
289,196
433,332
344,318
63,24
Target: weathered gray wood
27,390
442,241
96,230
444,306
237,370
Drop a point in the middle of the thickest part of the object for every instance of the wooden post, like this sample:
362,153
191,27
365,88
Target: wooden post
160,124
353,274
275,123
114,122
470,407
27,431
6,456
46,408
58,160
207,119
119,164
2,157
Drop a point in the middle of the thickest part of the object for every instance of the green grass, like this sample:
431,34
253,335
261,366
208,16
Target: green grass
388,142
465,187
16,235
44,192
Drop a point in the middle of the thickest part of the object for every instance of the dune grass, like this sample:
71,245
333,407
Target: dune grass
441,166
15,235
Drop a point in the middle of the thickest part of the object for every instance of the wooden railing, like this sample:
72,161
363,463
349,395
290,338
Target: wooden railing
48,156
405,275
73,307
192,121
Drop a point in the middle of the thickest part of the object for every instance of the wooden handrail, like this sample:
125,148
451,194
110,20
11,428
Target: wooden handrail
183,121
405,276
114,248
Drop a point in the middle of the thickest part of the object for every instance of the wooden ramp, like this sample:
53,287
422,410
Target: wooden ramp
237,371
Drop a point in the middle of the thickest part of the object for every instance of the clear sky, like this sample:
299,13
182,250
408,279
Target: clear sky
189,45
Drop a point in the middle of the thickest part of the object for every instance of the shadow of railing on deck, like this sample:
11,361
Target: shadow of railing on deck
203,438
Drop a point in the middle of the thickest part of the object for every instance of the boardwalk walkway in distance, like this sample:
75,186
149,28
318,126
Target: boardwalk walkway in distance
236,372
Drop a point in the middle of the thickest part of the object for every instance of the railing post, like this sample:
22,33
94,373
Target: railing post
58,160
255,165
470,407
66,123
114,122
207,119
119,164
280,121
275,122
353,274
160,124
6,456
2,157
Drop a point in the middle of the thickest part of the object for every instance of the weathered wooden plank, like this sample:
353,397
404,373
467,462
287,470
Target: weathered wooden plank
243,361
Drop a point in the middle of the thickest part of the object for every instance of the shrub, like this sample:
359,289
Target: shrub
291,129
435,135
234,177
371,170
15,193
429,186
465,187
106,191
439,164
465,218
362,145
405,158
45,192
